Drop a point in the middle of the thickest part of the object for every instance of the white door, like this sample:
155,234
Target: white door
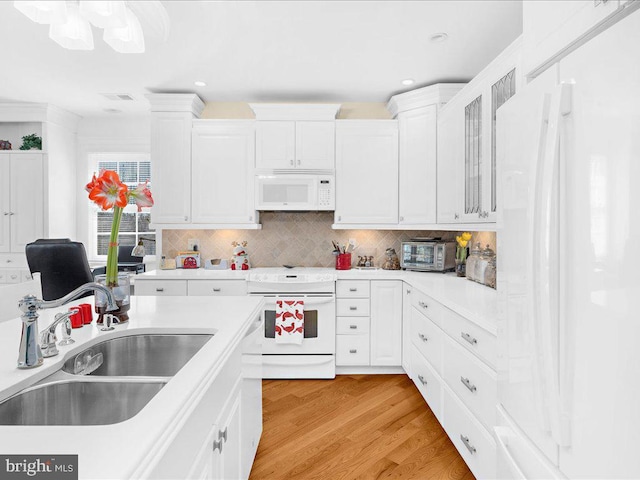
599,171
315,145
386,323
27,203
450,152
5,203
417,159
522,389
367,172
222,164
171,167
275,144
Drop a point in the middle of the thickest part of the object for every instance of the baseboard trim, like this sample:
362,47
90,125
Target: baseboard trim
366,370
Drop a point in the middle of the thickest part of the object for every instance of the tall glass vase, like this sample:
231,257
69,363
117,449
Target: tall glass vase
122,295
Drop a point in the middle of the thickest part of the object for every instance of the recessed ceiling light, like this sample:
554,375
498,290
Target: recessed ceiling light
408,81
200,83
438,37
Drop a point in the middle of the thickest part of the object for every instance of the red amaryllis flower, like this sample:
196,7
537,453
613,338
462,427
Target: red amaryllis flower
91,184
142,196
107,190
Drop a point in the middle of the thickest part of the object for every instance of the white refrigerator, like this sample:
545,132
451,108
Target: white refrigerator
569,266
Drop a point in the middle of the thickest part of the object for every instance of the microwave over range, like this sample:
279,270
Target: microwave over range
295,191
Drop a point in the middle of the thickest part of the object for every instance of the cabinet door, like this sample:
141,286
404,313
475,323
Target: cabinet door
550,28
227,460
418,166
275,144
315,145
450,152
171,167
5,203
367,172
386,322
222,172
27,204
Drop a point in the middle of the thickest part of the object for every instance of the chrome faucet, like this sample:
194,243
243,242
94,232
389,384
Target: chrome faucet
30,354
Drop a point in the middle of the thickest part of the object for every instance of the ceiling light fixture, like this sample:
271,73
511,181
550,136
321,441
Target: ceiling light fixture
200,83
438,37
408,81
121,21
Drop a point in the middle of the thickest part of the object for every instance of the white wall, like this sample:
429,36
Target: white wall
113,134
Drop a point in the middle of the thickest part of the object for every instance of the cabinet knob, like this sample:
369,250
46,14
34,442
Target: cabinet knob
408,291
6,213
298,161
186,218
353,327
423,337
339,218
467,383
159,289
353,350
222,434
402,219
217,445
422,380
9,261
469,338
423,305
456,216
353,308
217,289
353,289
291,162
251,218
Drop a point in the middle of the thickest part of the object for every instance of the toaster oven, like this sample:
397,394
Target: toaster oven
428,256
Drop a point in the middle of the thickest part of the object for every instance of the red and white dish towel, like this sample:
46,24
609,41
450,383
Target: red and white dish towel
289,321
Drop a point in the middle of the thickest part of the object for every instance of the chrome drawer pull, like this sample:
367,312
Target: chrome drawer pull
353,308
217,445
423,337
470,447
353,289
469,338
222,435
159,289
423,305
353,327
217,289
468,384
353,350
422,380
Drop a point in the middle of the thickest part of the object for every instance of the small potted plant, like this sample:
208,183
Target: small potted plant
461,253
108,192
31,142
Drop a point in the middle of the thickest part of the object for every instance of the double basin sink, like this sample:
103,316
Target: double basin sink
104,384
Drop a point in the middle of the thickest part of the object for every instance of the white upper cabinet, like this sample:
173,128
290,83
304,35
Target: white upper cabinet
466,159
551,29
21,208
366,172
417,113
295,136
171,117
222,158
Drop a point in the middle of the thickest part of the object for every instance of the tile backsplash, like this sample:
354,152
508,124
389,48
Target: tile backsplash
302,239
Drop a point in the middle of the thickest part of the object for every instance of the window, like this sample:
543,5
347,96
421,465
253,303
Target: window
133,168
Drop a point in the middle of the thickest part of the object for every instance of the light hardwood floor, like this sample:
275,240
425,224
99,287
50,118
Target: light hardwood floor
353,427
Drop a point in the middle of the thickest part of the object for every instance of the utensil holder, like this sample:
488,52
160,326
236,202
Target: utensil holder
343,261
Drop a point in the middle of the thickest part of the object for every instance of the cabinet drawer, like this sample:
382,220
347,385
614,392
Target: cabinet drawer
352,325
352,307
428,306
161,287
216,287
13,260
427,338
475,444
352,288
352,349
428,382
473,382
471,336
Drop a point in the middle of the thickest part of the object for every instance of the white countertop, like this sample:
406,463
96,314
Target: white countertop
115,451
473,301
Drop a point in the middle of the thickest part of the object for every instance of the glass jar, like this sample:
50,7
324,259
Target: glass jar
392,262
490,273
481,266
472,261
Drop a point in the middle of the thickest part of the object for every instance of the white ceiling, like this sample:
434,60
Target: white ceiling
261,51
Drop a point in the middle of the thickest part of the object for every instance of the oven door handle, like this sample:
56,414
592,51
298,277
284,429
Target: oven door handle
308,301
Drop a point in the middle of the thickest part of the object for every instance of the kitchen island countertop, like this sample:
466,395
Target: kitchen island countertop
125,449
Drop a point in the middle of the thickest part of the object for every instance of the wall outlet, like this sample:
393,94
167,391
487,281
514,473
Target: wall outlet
352,241
193,244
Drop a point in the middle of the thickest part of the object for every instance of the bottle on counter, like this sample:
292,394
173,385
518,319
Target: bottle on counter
472,261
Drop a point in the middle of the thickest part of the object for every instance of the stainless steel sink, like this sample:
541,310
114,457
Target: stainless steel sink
138,355
78,402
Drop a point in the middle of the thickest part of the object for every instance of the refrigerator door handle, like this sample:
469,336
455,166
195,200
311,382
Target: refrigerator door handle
546,261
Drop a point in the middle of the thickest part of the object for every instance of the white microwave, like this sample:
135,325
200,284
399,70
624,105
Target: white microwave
295,191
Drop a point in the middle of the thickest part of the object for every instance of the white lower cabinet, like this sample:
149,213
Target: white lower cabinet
168,287
456,381
386,323
164,288
226,445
